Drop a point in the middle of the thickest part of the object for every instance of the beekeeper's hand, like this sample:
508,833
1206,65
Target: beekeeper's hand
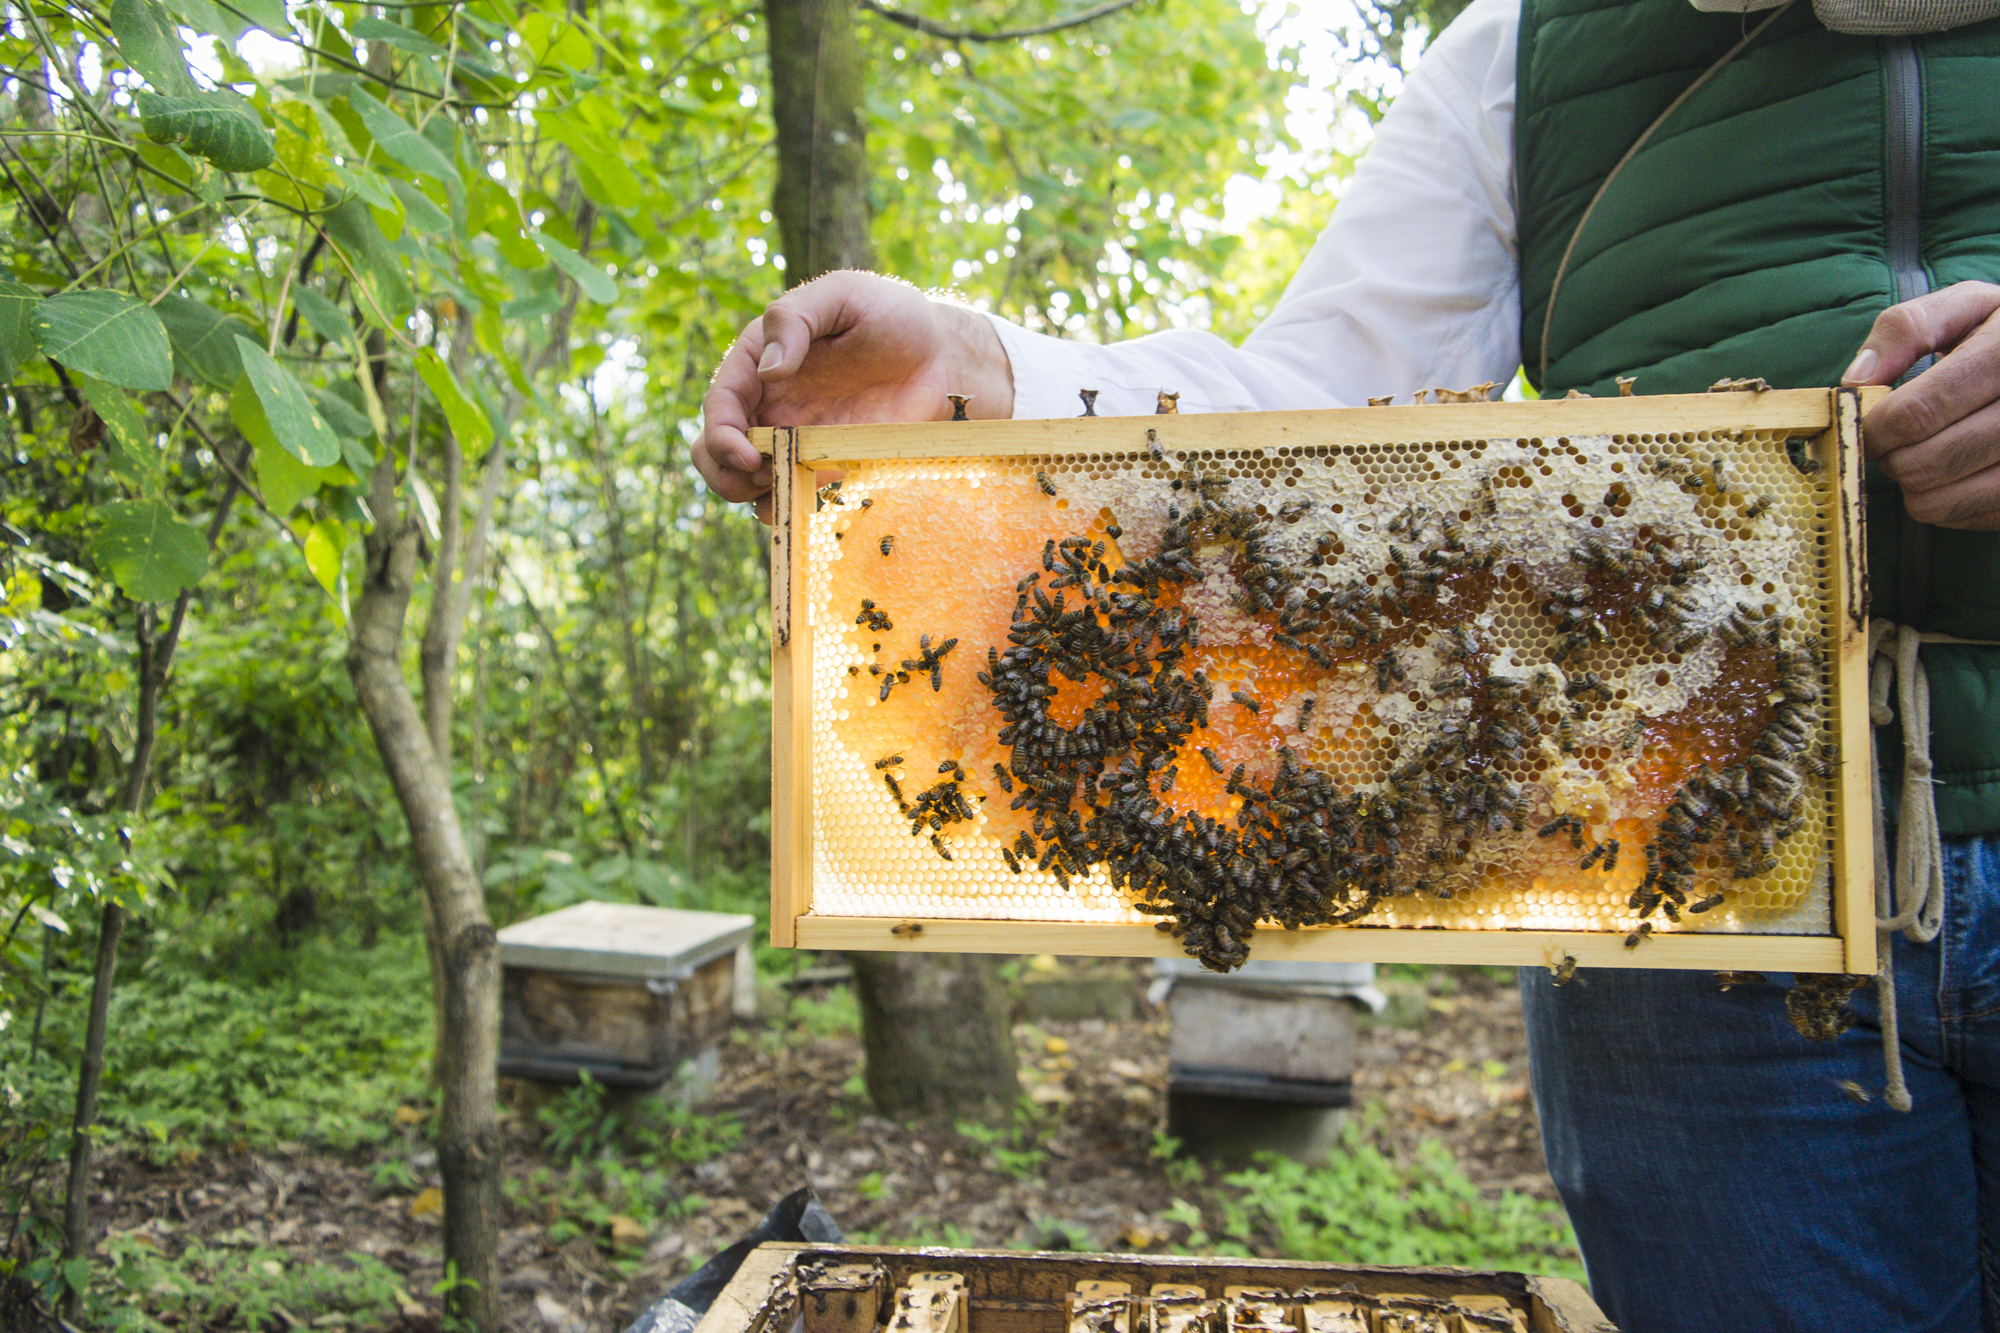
845,347
1939,435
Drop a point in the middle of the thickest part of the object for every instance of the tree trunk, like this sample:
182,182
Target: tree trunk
821,200
156,659
934,1026
469,1039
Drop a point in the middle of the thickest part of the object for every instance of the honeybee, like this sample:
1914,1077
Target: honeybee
1645,929
1758,507
889,762
1089,397
1042,480
1006,854
1563,969
1306,712
1213,761
888,542
1001,776
1248,701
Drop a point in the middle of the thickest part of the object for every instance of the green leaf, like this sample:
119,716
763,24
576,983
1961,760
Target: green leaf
468,423
205,338
205,18
396,35
592,279
347,421
133,454
281,478
617,186
151,554
352,227
150,41
423,214
400,140
218,126
107,335
284,480
297,425
326,542
327,319
266,14
17,331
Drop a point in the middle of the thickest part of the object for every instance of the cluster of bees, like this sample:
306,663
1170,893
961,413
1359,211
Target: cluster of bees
1298,849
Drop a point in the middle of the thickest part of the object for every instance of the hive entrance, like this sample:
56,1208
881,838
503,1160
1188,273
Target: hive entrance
1575,682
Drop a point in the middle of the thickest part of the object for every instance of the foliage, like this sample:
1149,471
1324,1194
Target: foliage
1016,1146
235,1286
320,1052
579,1123
614,1172
838,1014
1364,1206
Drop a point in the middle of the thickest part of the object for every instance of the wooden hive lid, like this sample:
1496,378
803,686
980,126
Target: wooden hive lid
623,939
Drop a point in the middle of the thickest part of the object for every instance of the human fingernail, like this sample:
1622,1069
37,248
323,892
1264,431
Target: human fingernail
1862,369
774,353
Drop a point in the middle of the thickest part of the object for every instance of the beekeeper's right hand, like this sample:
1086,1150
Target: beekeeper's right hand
845,347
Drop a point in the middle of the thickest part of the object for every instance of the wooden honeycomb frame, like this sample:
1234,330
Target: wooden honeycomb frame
1831,418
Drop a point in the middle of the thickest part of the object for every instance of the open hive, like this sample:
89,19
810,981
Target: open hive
1504,682
872,1289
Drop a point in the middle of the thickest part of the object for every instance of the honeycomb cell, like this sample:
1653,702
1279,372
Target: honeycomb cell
1468,683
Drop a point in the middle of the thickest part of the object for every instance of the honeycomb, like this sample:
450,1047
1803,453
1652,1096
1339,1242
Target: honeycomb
1573,683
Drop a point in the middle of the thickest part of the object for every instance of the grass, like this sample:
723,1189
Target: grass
1363,1206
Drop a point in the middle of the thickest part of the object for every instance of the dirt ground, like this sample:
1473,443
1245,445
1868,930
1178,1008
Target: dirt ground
1451,1066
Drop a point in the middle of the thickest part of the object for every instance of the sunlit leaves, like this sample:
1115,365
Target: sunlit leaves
468,423
107,335
152,554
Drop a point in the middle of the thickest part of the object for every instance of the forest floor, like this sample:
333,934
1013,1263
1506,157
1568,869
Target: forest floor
586,1246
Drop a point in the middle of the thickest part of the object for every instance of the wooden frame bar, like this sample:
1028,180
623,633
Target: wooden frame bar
1831,418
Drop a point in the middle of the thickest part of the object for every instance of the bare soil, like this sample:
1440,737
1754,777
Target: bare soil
1451,1066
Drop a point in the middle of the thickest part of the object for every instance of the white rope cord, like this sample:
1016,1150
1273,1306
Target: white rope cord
1911,899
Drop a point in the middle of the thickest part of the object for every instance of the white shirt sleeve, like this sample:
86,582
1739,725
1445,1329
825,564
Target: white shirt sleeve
1413,285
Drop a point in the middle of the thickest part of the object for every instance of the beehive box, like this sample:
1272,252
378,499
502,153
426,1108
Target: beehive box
1570,681
859,1289
620,991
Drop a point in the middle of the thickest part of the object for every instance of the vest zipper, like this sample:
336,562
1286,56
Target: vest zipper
1903,169
1904,166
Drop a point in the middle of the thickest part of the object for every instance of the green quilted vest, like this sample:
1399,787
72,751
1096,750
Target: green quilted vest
1815,181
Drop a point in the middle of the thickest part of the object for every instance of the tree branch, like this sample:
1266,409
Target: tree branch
918,23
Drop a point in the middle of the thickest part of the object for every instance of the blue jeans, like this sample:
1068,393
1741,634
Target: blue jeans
1720,1178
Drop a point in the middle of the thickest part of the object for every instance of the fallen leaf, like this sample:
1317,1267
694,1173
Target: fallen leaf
1126,1068
410,1306
1139,1236
411,1115
624,1231
1049,1094
1056,1046
430,1199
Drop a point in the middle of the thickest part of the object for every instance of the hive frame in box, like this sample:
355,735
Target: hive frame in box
1830,418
